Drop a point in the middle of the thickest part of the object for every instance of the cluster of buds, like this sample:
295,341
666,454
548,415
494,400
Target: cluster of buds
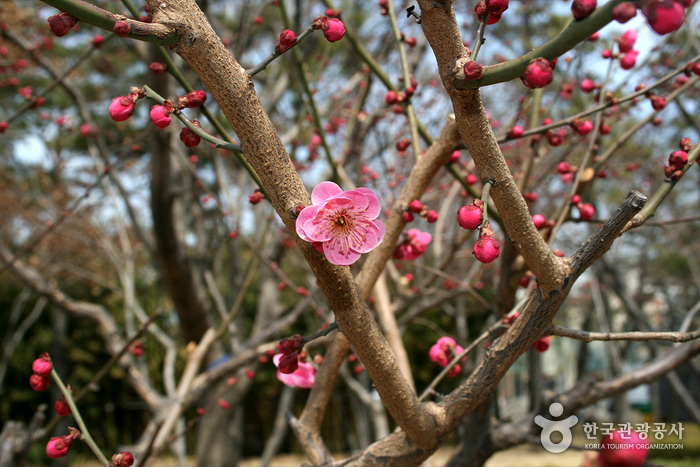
444,351
493,9
61,23
677,161
416,207
41,367
538,73
58,445
290,348
585,210
566,171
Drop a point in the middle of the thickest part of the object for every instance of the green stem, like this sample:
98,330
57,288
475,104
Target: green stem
79,419
479,37
572,34
263,65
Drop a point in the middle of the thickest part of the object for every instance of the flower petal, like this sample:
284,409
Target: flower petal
373,234
323,191
374,207
305,221
334,254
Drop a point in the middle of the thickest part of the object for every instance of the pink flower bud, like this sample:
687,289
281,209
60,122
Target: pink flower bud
194,98
583,128
486,248
629,59
582,8
515,132
285,41
540,221
58,445
3,126
586,211
587,85
431,216
122,108
627,40
42,365
664,16
471,179
624,12
454,157
189,137
473,70
575,199
415,206
391,97
538,73
160,116
39,382
470,216
403,144
121,28
333,29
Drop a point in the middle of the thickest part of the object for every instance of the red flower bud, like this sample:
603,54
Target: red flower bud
189,137
515,132
587,85
61,23
538,73
678,159
289,363
582,8
39,382
194,99
541,344
473,70
121,28
285,41
256,196
157,67
658,102
291,344
61,407
586,211
629,59
627,40
624,12
431,216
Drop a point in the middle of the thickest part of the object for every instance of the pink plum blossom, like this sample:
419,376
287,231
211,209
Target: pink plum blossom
303,377
343,222
414,246
444,351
